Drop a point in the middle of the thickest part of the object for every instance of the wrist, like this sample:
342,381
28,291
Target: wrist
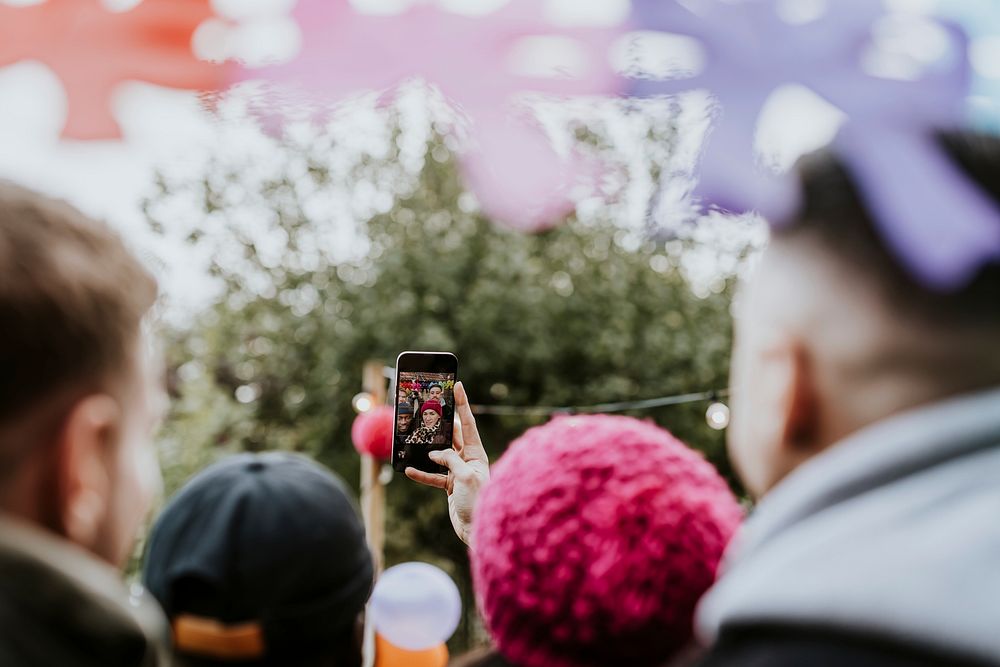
466,536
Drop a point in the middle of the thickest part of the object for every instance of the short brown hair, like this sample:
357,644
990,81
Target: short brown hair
72,299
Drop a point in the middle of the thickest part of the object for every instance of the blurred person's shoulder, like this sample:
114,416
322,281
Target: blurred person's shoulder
61,606
788,646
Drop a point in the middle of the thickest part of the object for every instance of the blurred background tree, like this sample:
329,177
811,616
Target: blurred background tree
586,313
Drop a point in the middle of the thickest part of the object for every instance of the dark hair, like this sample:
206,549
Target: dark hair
833,214
72,298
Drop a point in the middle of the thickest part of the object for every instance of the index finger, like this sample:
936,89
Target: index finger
426,478
472,445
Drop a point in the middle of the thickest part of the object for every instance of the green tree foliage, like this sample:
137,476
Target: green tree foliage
582,314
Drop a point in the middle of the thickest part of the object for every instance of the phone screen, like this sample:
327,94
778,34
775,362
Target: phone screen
425,408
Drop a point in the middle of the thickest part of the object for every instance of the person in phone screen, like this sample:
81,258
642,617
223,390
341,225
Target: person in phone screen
430,431
404,418
436,392
408,397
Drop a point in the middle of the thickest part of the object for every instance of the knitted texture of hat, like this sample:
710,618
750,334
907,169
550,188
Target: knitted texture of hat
432,405
594,540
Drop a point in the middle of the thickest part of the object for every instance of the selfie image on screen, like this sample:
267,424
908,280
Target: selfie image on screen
425,413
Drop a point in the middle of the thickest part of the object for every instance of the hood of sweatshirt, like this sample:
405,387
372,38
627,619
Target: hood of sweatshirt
894,532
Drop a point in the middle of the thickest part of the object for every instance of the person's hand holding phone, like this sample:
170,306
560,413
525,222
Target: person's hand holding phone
468,468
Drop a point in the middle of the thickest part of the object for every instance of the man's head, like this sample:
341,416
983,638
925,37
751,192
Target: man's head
80,393
261,560
832,334
404,417
435,392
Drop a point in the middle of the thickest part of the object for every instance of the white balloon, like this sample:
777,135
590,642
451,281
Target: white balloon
415,606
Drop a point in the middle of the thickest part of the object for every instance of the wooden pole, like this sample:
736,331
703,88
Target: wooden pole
372,490
373,495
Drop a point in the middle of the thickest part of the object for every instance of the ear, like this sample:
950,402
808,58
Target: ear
800,410
83,467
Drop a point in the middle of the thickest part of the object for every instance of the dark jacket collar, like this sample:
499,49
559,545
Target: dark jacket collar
59,605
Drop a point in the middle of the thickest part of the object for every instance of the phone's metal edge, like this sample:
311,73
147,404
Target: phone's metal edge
395,403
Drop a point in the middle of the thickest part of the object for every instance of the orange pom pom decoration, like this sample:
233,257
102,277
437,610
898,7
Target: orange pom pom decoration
388,655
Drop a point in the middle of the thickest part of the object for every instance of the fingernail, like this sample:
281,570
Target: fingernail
434,455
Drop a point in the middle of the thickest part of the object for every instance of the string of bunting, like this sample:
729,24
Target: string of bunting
604,408
618,406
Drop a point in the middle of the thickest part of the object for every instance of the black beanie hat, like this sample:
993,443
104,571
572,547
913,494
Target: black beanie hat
271,542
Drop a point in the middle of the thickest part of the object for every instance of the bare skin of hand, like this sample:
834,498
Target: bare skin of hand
468,468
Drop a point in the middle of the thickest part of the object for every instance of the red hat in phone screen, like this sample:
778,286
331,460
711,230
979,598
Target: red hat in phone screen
432,405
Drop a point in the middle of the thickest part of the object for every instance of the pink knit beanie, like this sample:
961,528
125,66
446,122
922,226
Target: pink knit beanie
594,540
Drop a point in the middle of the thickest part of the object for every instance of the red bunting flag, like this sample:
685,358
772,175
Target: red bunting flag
92,49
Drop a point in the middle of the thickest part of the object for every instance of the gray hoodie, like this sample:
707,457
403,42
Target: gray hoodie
895,532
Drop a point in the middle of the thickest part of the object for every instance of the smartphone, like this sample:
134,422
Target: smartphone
425,408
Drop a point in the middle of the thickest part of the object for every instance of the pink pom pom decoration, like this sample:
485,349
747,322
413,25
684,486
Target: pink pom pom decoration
594,541
516,175
372,432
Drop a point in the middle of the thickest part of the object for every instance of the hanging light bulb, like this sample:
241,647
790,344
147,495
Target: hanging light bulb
363,402
386,475
717,415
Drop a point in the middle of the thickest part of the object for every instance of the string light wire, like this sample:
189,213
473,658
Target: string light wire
617,406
